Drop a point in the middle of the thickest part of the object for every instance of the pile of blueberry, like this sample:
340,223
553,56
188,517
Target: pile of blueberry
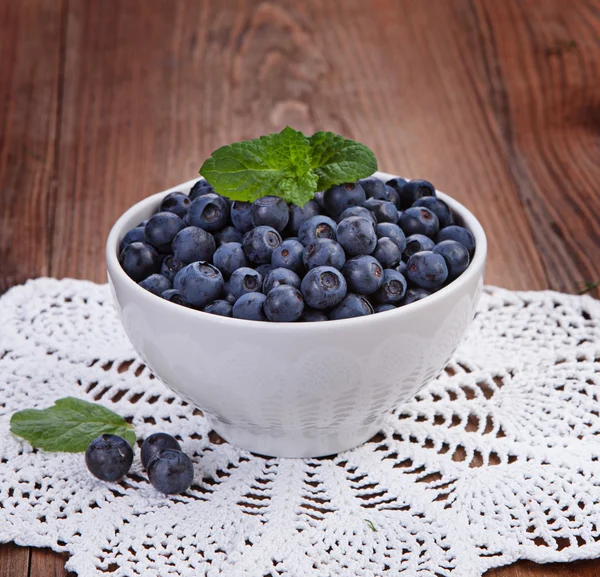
355,249
170,471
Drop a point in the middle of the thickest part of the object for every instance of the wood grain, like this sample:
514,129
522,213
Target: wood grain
496,102
14,561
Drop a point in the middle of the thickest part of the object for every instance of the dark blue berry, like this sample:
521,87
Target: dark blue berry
323,287
171,472
419,220
221,308
393,196
136,234
393,232
155,443
456,256
342,196
363,274
320,200
384,307
387,252
384,210
175,297
414,294
109,457
265,269
300,214
200,189
161,229
401,268
278,277
270,211
200,283
209,212
139,260
193,244
313,316
156,284
324,252
244,280
417,243
241,216
229,257
170,267
175,202
358,211
427,270
357,235
439,208
289,255
284,304
352,305
459,234
413,191
260,243
392,289
317,227
374,188
250,306
228,234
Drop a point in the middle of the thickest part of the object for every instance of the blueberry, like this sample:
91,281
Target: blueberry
456,256
228,234
459,234
265,269
284,304
352,305
229,257
319,198
427,270
342,196
156,284
363,274
439,208
244,280
193,244
417,243
200,283
401,268
374,188
155,443
384,210
419,220
221,308
300,214
241,216
289,255
317,227
313,316
324,252
109,457
209,212
397,183
278,277
323,287
387,252
136,234
170,267
139,260
259,244
171,472
175,202
392,289
358,211
200,189
270,211
174,296
250,306
160,230
357,235
383,307
414,190
393,232
414,294
393,196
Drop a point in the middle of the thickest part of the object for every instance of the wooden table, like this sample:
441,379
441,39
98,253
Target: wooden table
495,101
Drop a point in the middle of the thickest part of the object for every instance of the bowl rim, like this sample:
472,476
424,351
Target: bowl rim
116,272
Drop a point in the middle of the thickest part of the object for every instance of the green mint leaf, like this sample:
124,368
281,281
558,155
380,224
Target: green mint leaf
336,159
69,426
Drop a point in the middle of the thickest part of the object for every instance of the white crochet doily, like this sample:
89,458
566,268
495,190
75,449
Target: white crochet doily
496,460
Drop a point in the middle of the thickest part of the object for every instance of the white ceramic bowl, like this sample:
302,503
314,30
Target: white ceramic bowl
295,389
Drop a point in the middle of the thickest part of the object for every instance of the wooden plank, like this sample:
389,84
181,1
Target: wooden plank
528,569
14,561
47,563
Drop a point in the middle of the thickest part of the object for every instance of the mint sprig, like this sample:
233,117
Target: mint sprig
287,164
70,425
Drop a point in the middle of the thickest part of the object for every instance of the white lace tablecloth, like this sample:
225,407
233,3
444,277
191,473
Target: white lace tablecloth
496,460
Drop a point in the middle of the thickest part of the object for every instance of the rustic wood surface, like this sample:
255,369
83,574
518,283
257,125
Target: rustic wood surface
106,101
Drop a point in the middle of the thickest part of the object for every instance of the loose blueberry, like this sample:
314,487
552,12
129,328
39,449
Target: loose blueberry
174,296
414,190
352,305
319,198
139,260
109,457
392,289
284,304
228,234
417,243
459,234
317,227
342,196
241,216
358,211
383,210
177,203
300,214
193,244
221,308
438,207
156,284
160,230
200,189
200,283
387,252
229,257
136,234
419,220
209,212
265,269
260,243
278,277
270,211
155,443
171,472
313,316
401,268
289,255
244,280
427,270
393,196
357,235
170,267
363,274
374,188
324,252
414,294
393,232
323,287
250,306
384,307
456,256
